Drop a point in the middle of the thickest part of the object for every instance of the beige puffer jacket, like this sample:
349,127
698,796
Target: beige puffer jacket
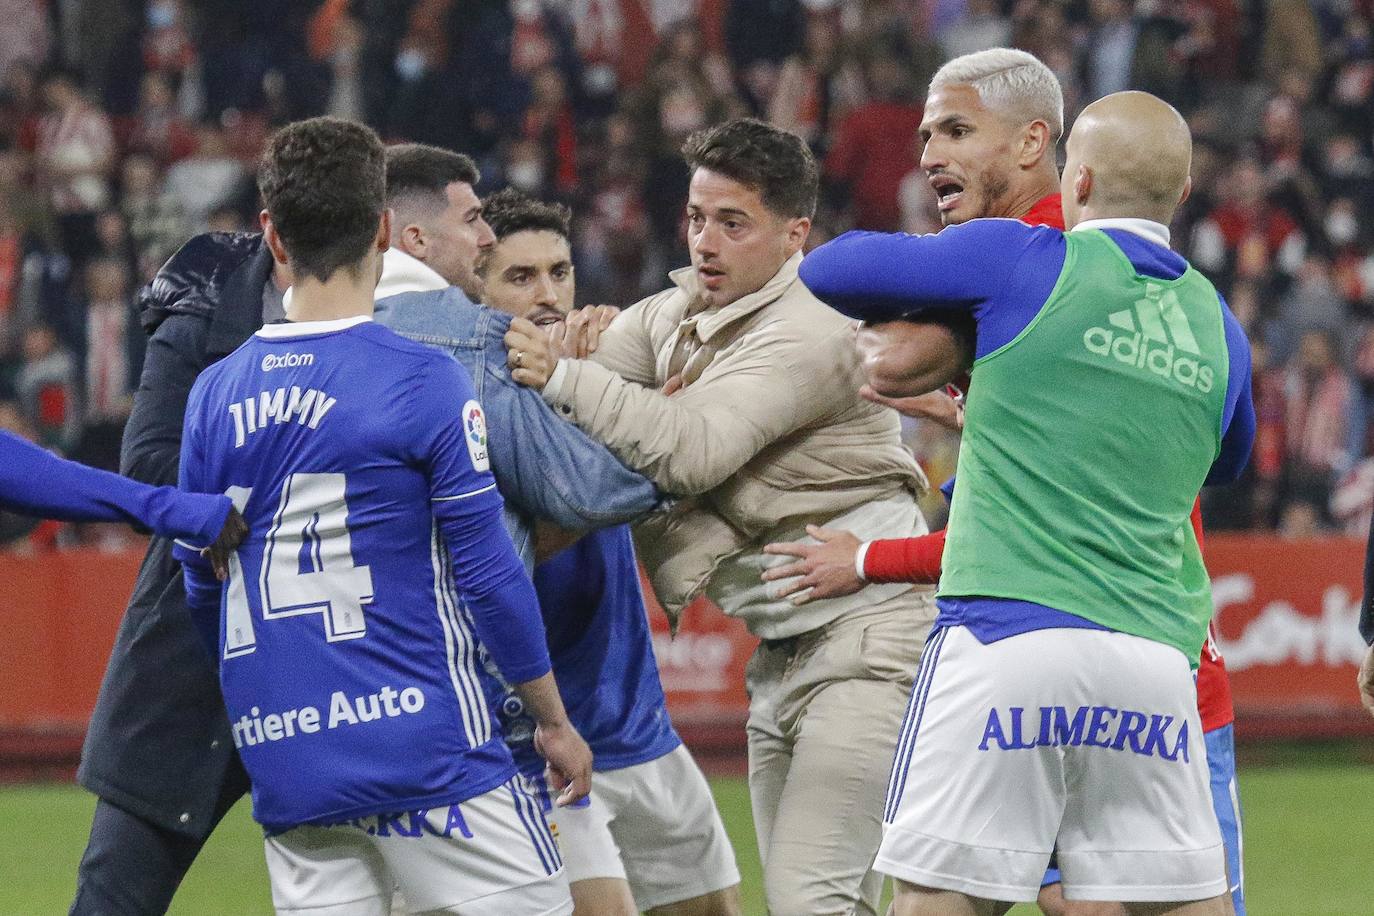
768,434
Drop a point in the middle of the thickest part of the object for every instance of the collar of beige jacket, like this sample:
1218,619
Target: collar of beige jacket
711,321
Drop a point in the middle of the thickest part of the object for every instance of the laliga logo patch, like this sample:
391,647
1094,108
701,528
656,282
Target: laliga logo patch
475,434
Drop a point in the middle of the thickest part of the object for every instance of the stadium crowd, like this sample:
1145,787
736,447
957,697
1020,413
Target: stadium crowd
126,127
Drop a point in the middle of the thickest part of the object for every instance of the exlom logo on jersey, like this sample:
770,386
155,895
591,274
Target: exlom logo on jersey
1141,337
287,361
475,435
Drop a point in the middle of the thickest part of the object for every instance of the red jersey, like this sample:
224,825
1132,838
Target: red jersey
918,559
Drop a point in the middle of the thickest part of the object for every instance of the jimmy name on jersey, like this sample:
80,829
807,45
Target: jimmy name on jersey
349,665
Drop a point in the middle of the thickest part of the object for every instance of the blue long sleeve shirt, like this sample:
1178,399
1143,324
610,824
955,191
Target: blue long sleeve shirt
1002,272
377,582
36,482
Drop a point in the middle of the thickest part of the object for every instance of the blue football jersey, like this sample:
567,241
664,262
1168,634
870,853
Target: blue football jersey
603,656
350,663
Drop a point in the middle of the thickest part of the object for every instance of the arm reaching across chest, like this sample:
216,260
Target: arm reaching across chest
878,276
933,303
39,483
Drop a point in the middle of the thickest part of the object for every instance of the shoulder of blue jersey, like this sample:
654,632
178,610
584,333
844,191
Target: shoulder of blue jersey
418,355
991,228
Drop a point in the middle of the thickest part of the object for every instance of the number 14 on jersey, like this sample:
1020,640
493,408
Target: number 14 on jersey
307,565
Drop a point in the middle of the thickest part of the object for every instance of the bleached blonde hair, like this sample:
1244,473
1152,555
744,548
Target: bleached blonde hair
1010,81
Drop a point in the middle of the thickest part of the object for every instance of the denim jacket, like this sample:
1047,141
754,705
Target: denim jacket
545,467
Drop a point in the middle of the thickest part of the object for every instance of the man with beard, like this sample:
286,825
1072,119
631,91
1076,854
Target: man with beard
1079,588
991,124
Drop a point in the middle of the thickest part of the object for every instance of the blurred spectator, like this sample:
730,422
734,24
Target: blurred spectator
92,36
1352,501
167,47
1348,170
156,127
1246,235
157,224
527,167
46,386
21,106
74,158
916,199
760,35
113,239
24,33
763,32
1291,40
345,61
227,218
1110,60
1281,137
1324,423
984,27
549,123
1352,89
21,280
686,89
612,221
818,86
206,178
1301,519
108,313
1311,305
875,146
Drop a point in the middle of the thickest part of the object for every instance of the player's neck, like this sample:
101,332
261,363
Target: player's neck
1022,200
343,295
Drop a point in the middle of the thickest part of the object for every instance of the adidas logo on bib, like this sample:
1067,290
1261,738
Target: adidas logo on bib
1154,336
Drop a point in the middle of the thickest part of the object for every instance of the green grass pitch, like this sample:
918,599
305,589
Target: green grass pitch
1307,821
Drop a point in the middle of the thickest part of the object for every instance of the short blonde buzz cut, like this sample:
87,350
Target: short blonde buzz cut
1011,82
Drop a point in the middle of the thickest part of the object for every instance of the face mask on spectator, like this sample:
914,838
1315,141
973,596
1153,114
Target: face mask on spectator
410,64
599,79
526,175
1341,226
161,15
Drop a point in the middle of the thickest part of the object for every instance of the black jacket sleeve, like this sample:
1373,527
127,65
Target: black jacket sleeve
152,437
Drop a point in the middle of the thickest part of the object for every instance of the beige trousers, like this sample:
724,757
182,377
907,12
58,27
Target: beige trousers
824,714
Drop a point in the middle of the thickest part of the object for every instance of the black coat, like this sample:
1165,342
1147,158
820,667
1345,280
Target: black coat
159,744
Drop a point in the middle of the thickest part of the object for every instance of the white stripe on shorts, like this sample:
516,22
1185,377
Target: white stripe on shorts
912,723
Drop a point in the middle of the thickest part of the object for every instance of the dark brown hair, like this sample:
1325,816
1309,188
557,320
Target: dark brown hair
509,211
774,162
425,171
323,182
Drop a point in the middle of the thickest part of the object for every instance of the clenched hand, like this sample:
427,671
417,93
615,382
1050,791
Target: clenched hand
580,333
530,354
230,537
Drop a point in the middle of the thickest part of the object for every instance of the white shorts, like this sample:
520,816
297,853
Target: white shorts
1083,740
492,855
654,825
